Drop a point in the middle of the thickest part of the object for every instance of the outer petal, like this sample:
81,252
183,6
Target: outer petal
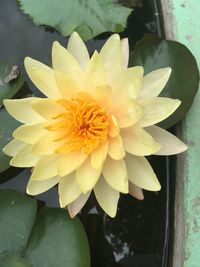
45,168
154,82
21,110
43,77
125,52
77,204
64,62
37,187
135,191
116,148
141,173
138,142
12,148
68,190
115,174
106,197
170,144
24,158
79,51
86,176
70,162
157,109
98,156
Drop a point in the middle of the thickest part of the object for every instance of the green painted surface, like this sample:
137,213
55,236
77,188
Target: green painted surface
186,15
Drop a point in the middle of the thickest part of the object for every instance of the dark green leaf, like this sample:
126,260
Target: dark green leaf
8,125
57,240
89,18
17,214
11,81
13,260
152,53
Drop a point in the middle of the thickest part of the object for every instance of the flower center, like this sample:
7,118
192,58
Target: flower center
84,124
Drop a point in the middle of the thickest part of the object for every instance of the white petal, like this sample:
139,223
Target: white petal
116,148
125,52
75,206
12,148
37,187
135,191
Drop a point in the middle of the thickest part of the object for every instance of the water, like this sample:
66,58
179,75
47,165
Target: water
141,234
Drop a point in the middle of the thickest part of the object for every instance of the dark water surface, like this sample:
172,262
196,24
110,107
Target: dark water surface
139,235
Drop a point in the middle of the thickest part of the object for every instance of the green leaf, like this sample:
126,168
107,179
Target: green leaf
54,240
152,53
89,17
11,81
17,214
8,125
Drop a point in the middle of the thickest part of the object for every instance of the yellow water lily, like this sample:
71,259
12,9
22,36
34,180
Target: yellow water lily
95,127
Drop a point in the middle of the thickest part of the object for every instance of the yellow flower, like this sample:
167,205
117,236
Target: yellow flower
95,127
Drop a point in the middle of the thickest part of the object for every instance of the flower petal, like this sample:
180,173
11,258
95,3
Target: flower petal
75,206
128,113
45,168
68,189
25,157
138,142
64,62
86,176
115,174
125,52
30,133
37,187
79,51
116,148
21,110
157,109
70,162
12,148
154,82
103,96
99,155
43,77
135,191
113,129
106,197
141,173
170,144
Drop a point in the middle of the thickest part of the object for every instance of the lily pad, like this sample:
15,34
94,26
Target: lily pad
49,239
89,17
11,81
152,53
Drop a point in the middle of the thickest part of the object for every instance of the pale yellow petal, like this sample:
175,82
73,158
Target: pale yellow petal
46,167
64,62
125,52
115,174
75,206
47,108
37,187
78,49
138,142
170,144
135,191
141,173
12,148
103,96
116,148
43,77
154,82
24,157
70,162
107,197
128,113
68,189
94,74
113,129
21,110
87,176
112,56
29,133
98,156
157,109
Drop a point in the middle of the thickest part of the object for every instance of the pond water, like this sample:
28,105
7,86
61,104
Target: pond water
141,234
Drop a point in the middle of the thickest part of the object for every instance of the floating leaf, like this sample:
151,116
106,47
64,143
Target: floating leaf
89,17
54,240
152,53
11,81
